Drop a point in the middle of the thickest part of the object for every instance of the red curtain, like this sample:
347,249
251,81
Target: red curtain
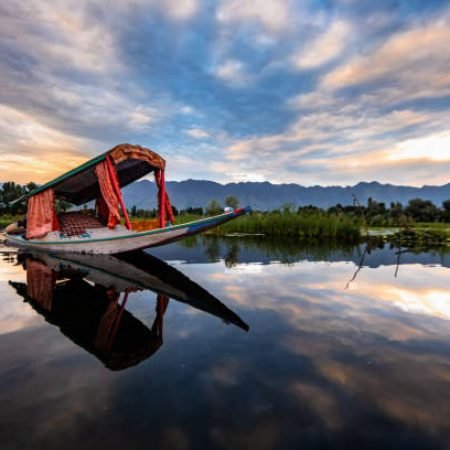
108,193
40,283
165,208
41,214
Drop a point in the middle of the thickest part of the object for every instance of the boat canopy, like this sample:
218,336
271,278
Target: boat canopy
80,185
101,179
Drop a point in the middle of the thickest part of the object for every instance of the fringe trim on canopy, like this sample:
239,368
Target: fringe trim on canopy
124,152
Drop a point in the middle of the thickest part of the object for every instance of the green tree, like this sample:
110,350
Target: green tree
213,208
446,210
30,186
232,201
62,206
422,210
11,191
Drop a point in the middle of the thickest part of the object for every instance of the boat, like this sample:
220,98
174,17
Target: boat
86,296
100,180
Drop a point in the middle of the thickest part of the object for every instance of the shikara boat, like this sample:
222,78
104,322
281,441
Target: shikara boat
101,179
86,296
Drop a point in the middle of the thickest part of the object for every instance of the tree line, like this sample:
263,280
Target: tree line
10,191
374,213
378,214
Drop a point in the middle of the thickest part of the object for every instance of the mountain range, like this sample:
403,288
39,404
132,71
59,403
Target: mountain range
267,196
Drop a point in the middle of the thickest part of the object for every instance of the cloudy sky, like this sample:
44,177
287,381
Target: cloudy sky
307,91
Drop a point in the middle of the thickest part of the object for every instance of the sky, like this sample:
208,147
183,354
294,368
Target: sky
308,91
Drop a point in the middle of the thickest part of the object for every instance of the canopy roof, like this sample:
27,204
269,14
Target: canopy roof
80,185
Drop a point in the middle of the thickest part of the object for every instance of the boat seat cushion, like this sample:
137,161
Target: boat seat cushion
145,224
76,223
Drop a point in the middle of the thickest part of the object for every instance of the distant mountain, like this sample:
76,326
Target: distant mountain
267,196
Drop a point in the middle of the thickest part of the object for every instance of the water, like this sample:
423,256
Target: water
334,357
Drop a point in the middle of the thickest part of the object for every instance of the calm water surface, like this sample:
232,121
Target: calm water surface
334,357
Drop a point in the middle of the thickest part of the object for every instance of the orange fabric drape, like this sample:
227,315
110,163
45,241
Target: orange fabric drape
108,194
40,283
41,214
115,183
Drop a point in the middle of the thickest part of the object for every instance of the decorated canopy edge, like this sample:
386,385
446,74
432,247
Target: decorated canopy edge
119,153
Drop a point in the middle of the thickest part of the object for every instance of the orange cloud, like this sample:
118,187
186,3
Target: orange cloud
31,151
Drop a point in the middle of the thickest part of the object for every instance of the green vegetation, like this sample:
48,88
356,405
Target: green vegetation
302,225
232,202
376,214
6,219
214,208
421,236
10,191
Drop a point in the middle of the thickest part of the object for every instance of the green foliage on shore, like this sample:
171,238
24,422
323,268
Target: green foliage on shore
6,219
420,236
10,191
377,214
309,225
304,225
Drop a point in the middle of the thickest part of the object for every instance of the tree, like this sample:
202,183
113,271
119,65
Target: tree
232,201
30,186
422,210
214,207
62,206
446,212
9,192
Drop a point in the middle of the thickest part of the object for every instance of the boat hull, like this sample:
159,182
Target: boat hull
105,241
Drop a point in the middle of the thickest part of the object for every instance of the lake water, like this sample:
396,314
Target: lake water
269,346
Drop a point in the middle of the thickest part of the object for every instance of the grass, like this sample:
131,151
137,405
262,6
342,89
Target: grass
416,234
287,224
423,236
432,225
305,226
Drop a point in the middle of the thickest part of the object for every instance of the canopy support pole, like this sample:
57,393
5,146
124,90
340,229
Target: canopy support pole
113,176
162,200
162,301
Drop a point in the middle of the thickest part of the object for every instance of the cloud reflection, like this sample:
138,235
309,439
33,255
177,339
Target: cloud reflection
322,366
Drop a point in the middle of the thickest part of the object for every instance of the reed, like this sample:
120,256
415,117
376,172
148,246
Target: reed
307,226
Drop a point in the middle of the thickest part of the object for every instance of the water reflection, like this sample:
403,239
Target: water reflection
323,367
86,297
261,250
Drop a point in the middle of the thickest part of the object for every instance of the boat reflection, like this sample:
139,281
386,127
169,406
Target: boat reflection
86,297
